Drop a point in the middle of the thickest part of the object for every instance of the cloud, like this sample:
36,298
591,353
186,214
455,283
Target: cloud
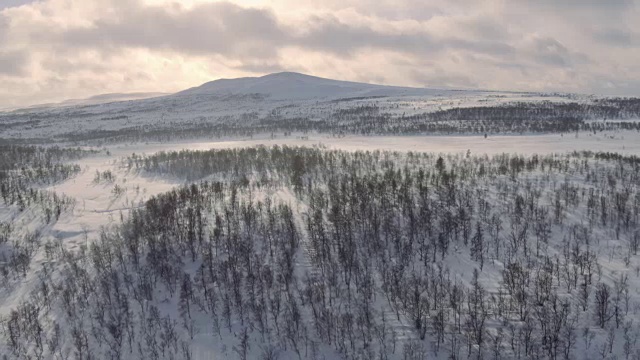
333,35
4,29
221,28
617,37
579,8
444,79
260,67
12,3
13,63
51,49
549,51
257,34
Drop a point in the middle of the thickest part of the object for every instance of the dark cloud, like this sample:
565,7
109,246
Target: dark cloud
13,63
617,37
12,3
335,36
332,35
214,28
549,51
580,6
4,28
568,16
251,34
486,28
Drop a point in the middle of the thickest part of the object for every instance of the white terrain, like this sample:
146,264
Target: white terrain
294,217
245,100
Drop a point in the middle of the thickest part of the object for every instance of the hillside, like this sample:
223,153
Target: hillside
296,86
291,102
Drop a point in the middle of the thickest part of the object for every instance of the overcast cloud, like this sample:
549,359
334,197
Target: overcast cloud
58,49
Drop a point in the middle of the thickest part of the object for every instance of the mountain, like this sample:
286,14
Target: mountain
277,86
93,100
296,86
277,101
114,97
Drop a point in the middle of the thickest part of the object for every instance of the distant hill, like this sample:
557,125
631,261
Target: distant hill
114,97
291,85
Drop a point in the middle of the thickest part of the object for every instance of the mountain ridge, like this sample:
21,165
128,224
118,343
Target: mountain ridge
280,86
293,85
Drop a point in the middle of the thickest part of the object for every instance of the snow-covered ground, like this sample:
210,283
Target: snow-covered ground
98,205
624,142
287,94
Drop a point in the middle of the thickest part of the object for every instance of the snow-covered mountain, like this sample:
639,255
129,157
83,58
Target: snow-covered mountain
267,103
92,100
113,97
291,85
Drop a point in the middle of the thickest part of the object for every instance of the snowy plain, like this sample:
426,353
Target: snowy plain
624,142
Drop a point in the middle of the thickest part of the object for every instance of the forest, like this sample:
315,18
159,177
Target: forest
308,253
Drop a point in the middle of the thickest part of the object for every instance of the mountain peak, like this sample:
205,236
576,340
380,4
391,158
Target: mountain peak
286,74
289,85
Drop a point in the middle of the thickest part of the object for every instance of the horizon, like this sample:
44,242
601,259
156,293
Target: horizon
122,96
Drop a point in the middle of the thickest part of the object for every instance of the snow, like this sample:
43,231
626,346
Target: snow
98,206
624,142
290,85
291,95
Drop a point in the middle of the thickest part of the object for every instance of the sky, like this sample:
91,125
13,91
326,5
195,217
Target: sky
52,50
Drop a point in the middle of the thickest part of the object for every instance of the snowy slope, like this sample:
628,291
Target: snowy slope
93,100
114,97
249,105
296,86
